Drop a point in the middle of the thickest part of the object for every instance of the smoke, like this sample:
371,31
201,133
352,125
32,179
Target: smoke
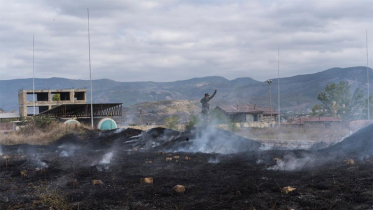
39,163
1,150
103,164
291,163
214,160
64,154
213,140
67,150
106,159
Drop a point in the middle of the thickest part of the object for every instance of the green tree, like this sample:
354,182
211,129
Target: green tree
318,110
338,101
56,97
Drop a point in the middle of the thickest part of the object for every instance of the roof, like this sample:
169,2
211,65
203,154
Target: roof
9,115
302,120
84,110
247,109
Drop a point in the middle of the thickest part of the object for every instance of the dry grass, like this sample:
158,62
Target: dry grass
296,133
32,134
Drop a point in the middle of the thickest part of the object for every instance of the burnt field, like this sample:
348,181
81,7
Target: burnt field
218,169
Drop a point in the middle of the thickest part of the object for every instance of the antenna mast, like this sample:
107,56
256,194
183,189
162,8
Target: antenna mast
368,76
90,71
33,72
278,86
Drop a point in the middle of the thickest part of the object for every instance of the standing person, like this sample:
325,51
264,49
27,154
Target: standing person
206,107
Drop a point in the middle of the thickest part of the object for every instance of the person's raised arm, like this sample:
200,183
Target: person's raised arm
213,95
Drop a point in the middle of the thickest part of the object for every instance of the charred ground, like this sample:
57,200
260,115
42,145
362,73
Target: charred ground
60,175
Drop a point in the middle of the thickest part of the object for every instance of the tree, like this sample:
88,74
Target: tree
338,102
56,97
318,110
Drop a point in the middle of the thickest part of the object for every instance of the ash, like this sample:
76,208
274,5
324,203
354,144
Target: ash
219,170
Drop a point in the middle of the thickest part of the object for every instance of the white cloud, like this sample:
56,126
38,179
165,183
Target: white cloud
172,40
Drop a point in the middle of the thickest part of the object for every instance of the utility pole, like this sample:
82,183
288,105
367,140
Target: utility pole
90,71
270,101
368,77
33,72
278,87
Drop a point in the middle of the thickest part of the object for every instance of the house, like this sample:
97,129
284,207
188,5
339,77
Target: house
246,113
314,122
8,121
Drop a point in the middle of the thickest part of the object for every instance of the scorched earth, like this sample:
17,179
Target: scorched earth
215,169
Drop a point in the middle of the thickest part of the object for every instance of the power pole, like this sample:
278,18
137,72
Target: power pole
368,77
90,71
278,87
270,101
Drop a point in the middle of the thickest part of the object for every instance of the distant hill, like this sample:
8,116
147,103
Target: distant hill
297,92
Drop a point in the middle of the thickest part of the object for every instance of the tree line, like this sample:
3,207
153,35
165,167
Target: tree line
338,101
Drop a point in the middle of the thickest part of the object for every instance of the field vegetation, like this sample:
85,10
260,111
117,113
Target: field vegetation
39,131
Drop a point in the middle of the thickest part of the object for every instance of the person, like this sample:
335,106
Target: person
206,107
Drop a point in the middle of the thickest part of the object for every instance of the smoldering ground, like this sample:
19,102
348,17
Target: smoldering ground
234,177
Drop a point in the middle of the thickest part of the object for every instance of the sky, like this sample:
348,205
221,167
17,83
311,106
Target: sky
168,40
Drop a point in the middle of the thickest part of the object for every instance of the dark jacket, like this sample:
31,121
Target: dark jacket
205,103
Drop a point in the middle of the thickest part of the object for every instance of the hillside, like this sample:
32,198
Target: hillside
297,92
157,111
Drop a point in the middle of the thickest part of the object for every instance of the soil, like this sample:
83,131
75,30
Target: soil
240,176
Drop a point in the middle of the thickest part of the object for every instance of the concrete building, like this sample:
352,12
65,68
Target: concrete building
247,113
44,99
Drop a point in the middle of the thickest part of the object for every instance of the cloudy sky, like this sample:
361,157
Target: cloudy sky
167,40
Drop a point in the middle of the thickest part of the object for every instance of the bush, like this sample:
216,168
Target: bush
233,127
193,121
171,122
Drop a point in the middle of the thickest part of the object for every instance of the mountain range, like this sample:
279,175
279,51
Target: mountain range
297,92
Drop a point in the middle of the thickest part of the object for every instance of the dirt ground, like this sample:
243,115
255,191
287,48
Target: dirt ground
60,175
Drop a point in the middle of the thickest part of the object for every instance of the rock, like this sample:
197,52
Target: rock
168,158
97,182
179,189
287,189
24,173
349,162
146,180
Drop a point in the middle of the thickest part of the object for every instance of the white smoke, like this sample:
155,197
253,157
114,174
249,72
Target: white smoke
64,154
103,165
214,160
1,150
291,163
214,140
106,159
68,150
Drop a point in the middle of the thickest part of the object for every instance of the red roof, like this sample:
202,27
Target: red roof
247,109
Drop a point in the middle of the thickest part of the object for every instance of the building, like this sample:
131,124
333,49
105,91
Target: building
44,99
8,121
247,113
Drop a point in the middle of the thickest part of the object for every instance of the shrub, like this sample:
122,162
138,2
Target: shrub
171,122
193,121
